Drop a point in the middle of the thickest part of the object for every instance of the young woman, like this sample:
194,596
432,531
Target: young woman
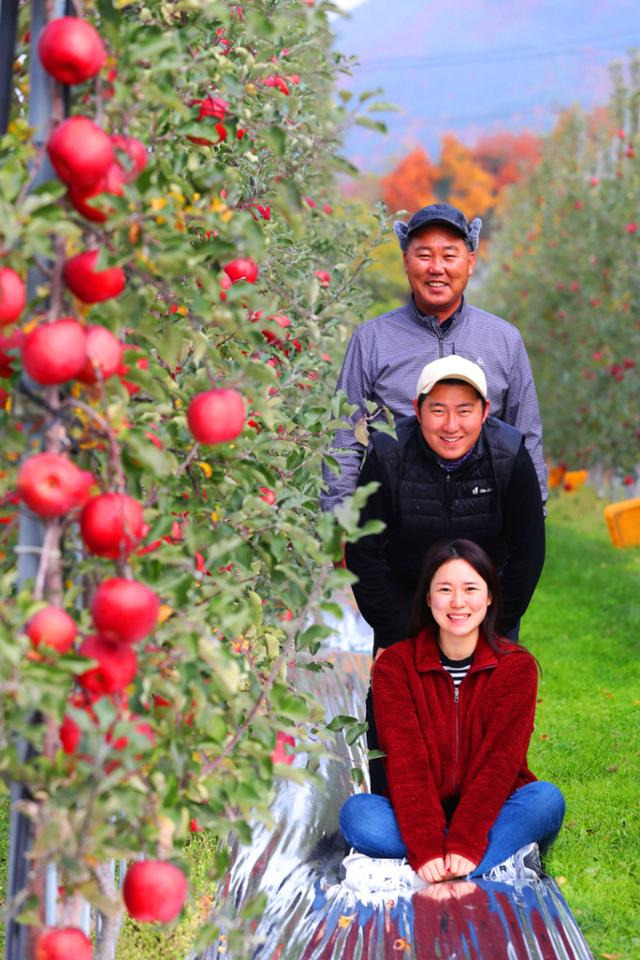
454,708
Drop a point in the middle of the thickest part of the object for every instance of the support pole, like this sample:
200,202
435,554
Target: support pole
30,535
8,33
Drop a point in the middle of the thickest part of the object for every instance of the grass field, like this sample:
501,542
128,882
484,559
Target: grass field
584,627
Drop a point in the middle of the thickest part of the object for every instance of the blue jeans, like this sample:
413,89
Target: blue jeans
533,813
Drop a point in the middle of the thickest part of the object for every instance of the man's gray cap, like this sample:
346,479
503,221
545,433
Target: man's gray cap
439,213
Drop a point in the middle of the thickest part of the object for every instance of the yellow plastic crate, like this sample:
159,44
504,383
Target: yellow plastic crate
623,521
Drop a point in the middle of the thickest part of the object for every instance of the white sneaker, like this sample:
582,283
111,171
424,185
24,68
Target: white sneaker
375,875
522,866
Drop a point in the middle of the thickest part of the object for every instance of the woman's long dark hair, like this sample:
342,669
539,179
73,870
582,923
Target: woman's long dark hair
475,556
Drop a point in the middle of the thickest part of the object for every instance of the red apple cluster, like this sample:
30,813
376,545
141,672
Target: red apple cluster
53,353
82,154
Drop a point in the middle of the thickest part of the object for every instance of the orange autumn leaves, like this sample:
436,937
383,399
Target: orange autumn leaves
471,178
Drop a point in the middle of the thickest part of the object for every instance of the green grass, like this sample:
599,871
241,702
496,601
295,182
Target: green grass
584,627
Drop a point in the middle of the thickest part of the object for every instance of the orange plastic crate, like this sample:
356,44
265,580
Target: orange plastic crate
574,479
623,521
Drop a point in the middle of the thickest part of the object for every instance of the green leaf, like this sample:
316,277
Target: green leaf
357,776
341,721
372,124
355,732
311,635
367,94
276,138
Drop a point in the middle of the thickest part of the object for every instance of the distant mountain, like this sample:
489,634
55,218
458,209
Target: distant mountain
478,66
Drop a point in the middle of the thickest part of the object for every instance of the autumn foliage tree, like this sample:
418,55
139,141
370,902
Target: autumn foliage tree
410,185
471,178
214,260
508,157
565,271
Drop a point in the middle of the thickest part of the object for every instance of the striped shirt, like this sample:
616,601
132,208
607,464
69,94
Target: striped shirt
457,669
385,358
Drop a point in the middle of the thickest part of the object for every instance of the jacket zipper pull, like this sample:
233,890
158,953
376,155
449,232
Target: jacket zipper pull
456,694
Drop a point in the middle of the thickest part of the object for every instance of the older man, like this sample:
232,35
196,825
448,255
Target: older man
385,354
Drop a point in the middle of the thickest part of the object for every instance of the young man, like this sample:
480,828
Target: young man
385,354
454,472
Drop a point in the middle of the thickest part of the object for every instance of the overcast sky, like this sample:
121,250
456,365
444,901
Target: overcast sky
348,4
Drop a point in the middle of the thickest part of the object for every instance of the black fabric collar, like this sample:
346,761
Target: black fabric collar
432,320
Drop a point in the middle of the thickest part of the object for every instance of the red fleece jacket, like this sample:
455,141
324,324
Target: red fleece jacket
467,755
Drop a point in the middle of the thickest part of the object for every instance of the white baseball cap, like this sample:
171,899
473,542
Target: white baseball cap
452,367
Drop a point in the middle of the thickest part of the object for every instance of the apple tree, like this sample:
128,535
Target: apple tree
166,404
565,271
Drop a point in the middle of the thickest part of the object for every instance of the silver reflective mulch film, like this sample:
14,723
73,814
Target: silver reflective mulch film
312,915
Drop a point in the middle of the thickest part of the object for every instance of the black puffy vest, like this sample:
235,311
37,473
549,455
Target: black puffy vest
431,504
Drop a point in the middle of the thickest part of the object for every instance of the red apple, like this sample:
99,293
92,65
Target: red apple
117,665
136,154
50,484
112,524
55,352
91,285
69,733
141,726
323,277
264,211
112,183
71,50
225,283
13,296
216,416
142,363
267,495
124,610
52,627
80,152
244,268
280,754
283,322
15,339
214,107
278,83
63,943
104,353
154,890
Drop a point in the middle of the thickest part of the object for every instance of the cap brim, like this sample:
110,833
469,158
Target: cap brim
452,376
435,222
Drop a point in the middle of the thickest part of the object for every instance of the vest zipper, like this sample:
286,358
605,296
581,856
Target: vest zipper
447,498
